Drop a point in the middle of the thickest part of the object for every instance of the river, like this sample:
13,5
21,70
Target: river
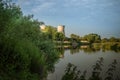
84,59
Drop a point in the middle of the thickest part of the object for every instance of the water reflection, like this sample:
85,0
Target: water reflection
72,73
86,48
85,58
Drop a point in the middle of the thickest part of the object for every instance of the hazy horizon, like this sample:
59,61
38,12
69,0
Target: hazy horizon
80,17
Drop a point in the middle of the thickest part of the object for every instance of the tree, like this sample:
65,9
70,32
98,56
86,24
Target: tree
8,12
92,38
104,40
59,36
50,31
113,39
75,37
25,53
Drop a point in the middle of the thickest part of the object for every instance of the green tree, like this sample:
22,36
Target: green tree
25,52
113,39
8,12
59,36
50,31
75,37
92,38
104,40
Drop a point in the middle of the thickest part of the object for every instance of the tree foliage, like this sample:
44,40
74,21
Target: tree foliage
50,31
59,36
92,38
75,37
111,39
25,52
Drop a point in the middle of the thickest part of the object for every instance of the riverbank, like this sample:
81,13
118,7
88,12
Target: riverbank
107,45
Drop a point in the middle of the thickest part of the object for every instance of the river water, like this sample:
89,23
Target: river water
84,59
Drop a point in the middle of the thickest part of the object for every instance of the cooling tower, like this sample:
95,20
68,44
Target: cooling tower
61,28
42,27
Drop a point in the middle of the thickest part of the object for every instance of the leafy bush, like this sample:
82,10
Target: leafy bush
25,52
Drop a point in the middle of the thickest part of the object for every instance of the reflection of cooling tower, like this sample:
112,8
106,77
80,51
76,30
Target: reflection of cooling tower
42,27
61,29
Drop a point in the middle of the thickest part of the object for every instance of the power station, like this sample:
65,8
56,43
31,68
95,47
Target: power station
42,27
60,28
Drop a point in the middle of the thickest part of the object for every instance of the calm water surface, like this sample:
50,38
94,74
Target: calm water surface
84,60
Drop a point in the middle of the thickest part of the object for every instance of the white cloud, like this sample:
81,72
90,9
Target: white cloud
73,3
24,2
42,7
89,3
79,3
37,6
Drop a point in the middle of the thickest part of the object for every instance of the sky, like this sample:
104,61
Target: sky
80,17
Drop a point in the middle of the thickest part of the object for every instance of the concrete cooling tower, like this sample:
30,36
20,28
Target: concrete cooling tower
42,27
61,28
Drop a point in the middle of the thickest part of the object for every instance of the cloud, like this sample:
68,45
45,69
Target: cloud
73,3
89,3
24,2
43,7
56,6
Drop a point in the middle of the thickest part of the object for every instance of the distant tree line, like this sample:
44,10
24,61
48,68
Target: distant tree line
93,38
111,39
